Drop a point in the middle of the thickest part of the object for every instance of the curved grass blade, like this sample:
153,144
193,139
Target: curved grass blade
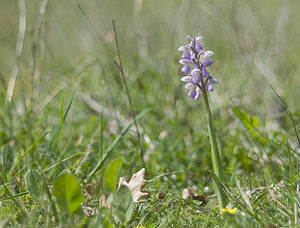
115,142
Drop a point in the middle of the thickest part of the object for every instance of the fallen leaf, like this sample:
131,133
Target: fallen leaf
185,194
103,201
200,198
92,189
190,193
135,185
160,195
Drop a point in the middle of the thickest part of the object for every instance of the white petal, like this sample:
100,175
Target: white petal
197,95
183,61
214,81
199,38
186,78
207,54
182,48
189,86
195,72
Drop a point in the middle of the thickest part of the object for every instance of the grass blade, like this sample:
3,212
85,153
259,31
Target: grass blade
115,142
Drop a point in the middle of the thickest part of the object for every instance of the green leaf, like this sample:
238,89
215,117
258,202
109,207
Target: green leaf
35,183
244,195
122,206
251,124
220,191
111,175
68,193
102,220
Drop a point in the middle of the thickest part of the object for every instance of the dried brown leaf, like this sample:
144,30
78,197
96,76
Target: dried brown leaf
190,193
160,195
93,188
103,201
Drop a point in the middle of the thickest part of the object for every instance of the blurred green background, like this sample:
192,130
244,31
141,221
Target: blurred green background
255,43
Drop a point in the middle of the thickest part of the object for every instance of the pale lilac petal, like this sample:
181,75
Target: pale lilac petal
189,86
186,69
185,55
182,48
205,72
213,80
192,93
207,62
198,92
195,72
196,79
209,87
207,54
186,78
199,38
198,47
184,61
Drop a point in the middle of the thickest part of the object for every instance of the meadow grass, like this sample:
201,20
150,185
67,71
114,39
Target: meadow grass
78,103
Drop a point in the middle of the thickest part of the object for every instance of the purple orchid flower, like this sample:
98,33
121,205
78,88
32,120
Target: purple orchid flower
195,57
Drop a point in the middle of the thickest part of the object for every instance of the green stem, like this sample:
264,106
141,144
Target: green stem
215,155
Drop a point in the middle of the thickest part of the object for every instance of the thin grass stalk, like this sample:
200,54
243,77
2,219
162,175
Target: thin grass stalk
19,48
293,220
128,95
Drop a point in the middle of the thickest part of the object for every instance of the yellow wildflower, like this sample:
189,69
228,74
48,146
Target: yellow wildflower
229,211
